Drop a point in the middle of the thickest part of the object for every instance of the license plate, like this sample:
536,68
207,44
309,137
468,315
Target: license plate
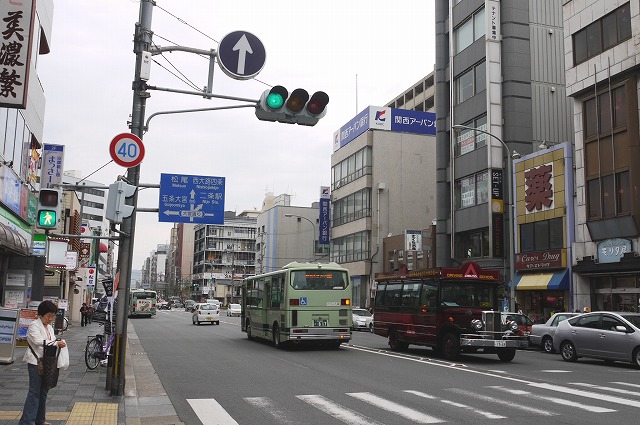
208,318
321,323
499,343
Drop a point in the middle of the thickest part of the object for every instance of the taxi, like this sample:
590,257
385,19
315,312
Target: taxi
206,313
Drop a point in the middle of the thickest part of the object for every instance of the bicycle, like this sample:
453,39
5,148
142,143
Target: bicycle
97,351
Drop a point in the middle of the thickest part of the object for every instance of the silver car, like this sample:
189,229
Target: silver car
542,334
600,335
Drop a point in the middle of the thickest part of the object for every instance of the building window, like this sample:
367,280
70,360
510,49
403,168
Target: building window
472,190
352,207
607,151
472,244
349,248
602,34
469,140
469,31
471,82
352,168
542,235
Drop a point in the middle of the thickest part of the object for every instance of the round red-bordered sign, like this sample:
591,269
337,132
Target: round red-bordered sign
127,150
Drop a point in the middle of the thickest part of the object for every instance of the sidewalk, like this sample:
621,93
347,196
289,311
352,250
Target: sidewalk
81,397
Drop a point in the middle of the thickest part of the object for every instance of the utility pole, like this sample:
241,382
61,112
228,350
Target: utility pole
142,43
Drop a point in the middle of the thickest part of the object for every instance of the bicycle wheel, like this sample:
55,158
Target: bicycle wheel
66,325
92,353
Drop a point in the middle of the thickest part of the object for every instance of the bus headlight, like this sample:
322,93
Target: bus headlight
476,324
513,326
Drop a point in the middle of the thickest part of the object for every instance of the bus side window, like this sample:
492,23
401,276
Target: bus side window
380,294
428,295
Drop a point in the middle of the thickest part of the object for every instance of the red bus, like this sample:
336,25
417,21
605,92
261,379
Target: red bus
448,309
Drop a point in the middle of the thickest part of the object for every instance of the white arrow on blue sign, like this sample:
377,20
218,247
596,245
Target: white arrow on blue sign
191,199
241,55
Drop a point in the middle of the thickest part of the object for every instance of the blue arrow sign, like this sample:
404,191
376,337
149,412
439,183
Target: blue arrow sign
241,55
191,199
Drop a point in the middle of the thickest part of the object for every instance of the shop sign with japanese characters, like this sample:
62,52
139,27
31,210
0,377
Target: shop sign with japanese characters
550,259
612,250
16,26
538,183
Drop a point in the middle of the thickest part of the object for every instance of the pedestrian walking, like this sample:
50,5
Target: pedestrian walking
84,313
40,330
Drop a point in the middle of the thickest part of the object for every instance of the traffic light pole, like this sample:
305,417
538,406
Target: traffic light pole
142,43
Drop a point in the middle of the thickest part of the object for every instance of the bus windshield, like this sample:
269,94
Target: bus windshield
143,295
319,279
465,294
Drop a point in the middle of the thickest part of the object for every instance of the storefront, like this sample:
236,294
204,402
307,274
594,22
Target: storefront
542,294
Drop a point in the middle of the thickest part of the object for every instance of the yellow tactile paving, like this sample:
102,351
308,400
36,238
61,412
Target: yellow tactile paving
86,413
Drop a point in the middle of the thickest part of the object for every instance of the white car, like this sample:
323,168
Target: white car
362,319
205,313
234,310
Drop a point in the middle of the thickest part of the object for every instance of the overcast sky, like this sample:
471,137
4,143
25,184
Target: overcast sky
360,52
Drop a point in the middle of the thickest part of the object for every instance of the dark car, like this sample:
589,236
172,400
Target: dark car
189,305
605,335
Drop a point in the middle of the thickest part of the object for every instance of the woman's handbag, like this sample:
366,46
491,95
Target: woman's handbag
48,365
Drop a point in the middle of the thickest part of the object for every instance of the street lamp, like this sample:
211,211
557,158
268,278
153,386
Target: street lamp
313,237
510,156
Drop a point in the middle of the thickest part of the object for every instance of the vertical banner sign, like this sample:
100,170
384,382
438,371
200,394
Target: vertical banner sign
16,26
498,235
52,166
323,231
413,240
497,200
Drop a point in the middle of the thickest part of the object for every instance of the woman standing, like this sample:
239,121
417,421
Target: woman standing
40,330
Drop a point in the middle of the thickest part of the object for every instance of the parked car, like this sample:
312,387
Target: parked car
234,310
164,305
542,334
205,313
362,319
605,335
189,305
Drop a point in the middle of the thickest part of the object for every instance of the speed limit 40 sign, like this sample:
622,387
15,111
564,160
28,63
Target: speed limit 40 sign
127,150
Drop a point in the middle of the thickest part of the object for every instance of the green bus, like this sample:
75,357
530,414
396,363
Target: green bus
302,302
142,303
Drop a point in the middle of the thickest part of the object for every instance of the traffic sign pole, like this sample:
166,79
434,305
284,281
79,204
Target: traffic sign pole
142,43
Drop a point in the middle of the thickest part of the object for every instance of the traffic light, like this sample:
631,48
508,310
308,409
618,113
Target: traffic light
117,209
49,206
298,108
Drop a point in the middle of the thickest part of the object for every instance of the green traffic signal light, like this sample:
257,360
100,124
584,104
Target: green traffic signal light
47,218
276,97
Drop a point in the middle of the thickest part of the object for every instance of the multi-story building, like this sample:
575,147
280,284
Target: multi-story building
93,204
22,107
180,259
286,234
158,270
498,69
222,255
602,61
382,183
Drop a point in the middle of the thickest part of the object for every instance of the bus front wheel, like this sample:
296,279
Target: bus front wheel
394,341
451,346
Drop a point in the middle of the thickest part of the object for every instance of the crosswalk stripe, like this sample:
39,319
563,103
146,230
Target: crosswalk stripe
337,411
399,409
613,390
502,402
560,401
486,414
210,412
627,384
588,394
268,405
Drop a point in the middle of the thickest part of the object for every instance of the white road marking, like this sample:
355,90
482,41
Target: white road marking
588,394
337,411
611,389
502,402
560,401
628,384
210,412
555,371
486,414
268,405
399,409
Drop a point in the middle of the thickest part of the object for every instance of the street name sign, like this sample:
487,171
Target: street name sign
191,199
241,55
127,150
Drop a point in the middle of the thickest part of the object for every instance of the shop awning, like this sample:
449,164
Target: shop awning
13,241
543,281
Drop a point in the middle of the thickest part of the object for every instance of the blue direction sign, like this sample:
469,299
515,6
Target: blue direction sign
241,55
191,199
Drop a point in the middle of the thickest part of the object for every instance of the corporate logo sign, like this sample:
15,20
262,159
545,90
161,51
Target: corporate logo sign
387,119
